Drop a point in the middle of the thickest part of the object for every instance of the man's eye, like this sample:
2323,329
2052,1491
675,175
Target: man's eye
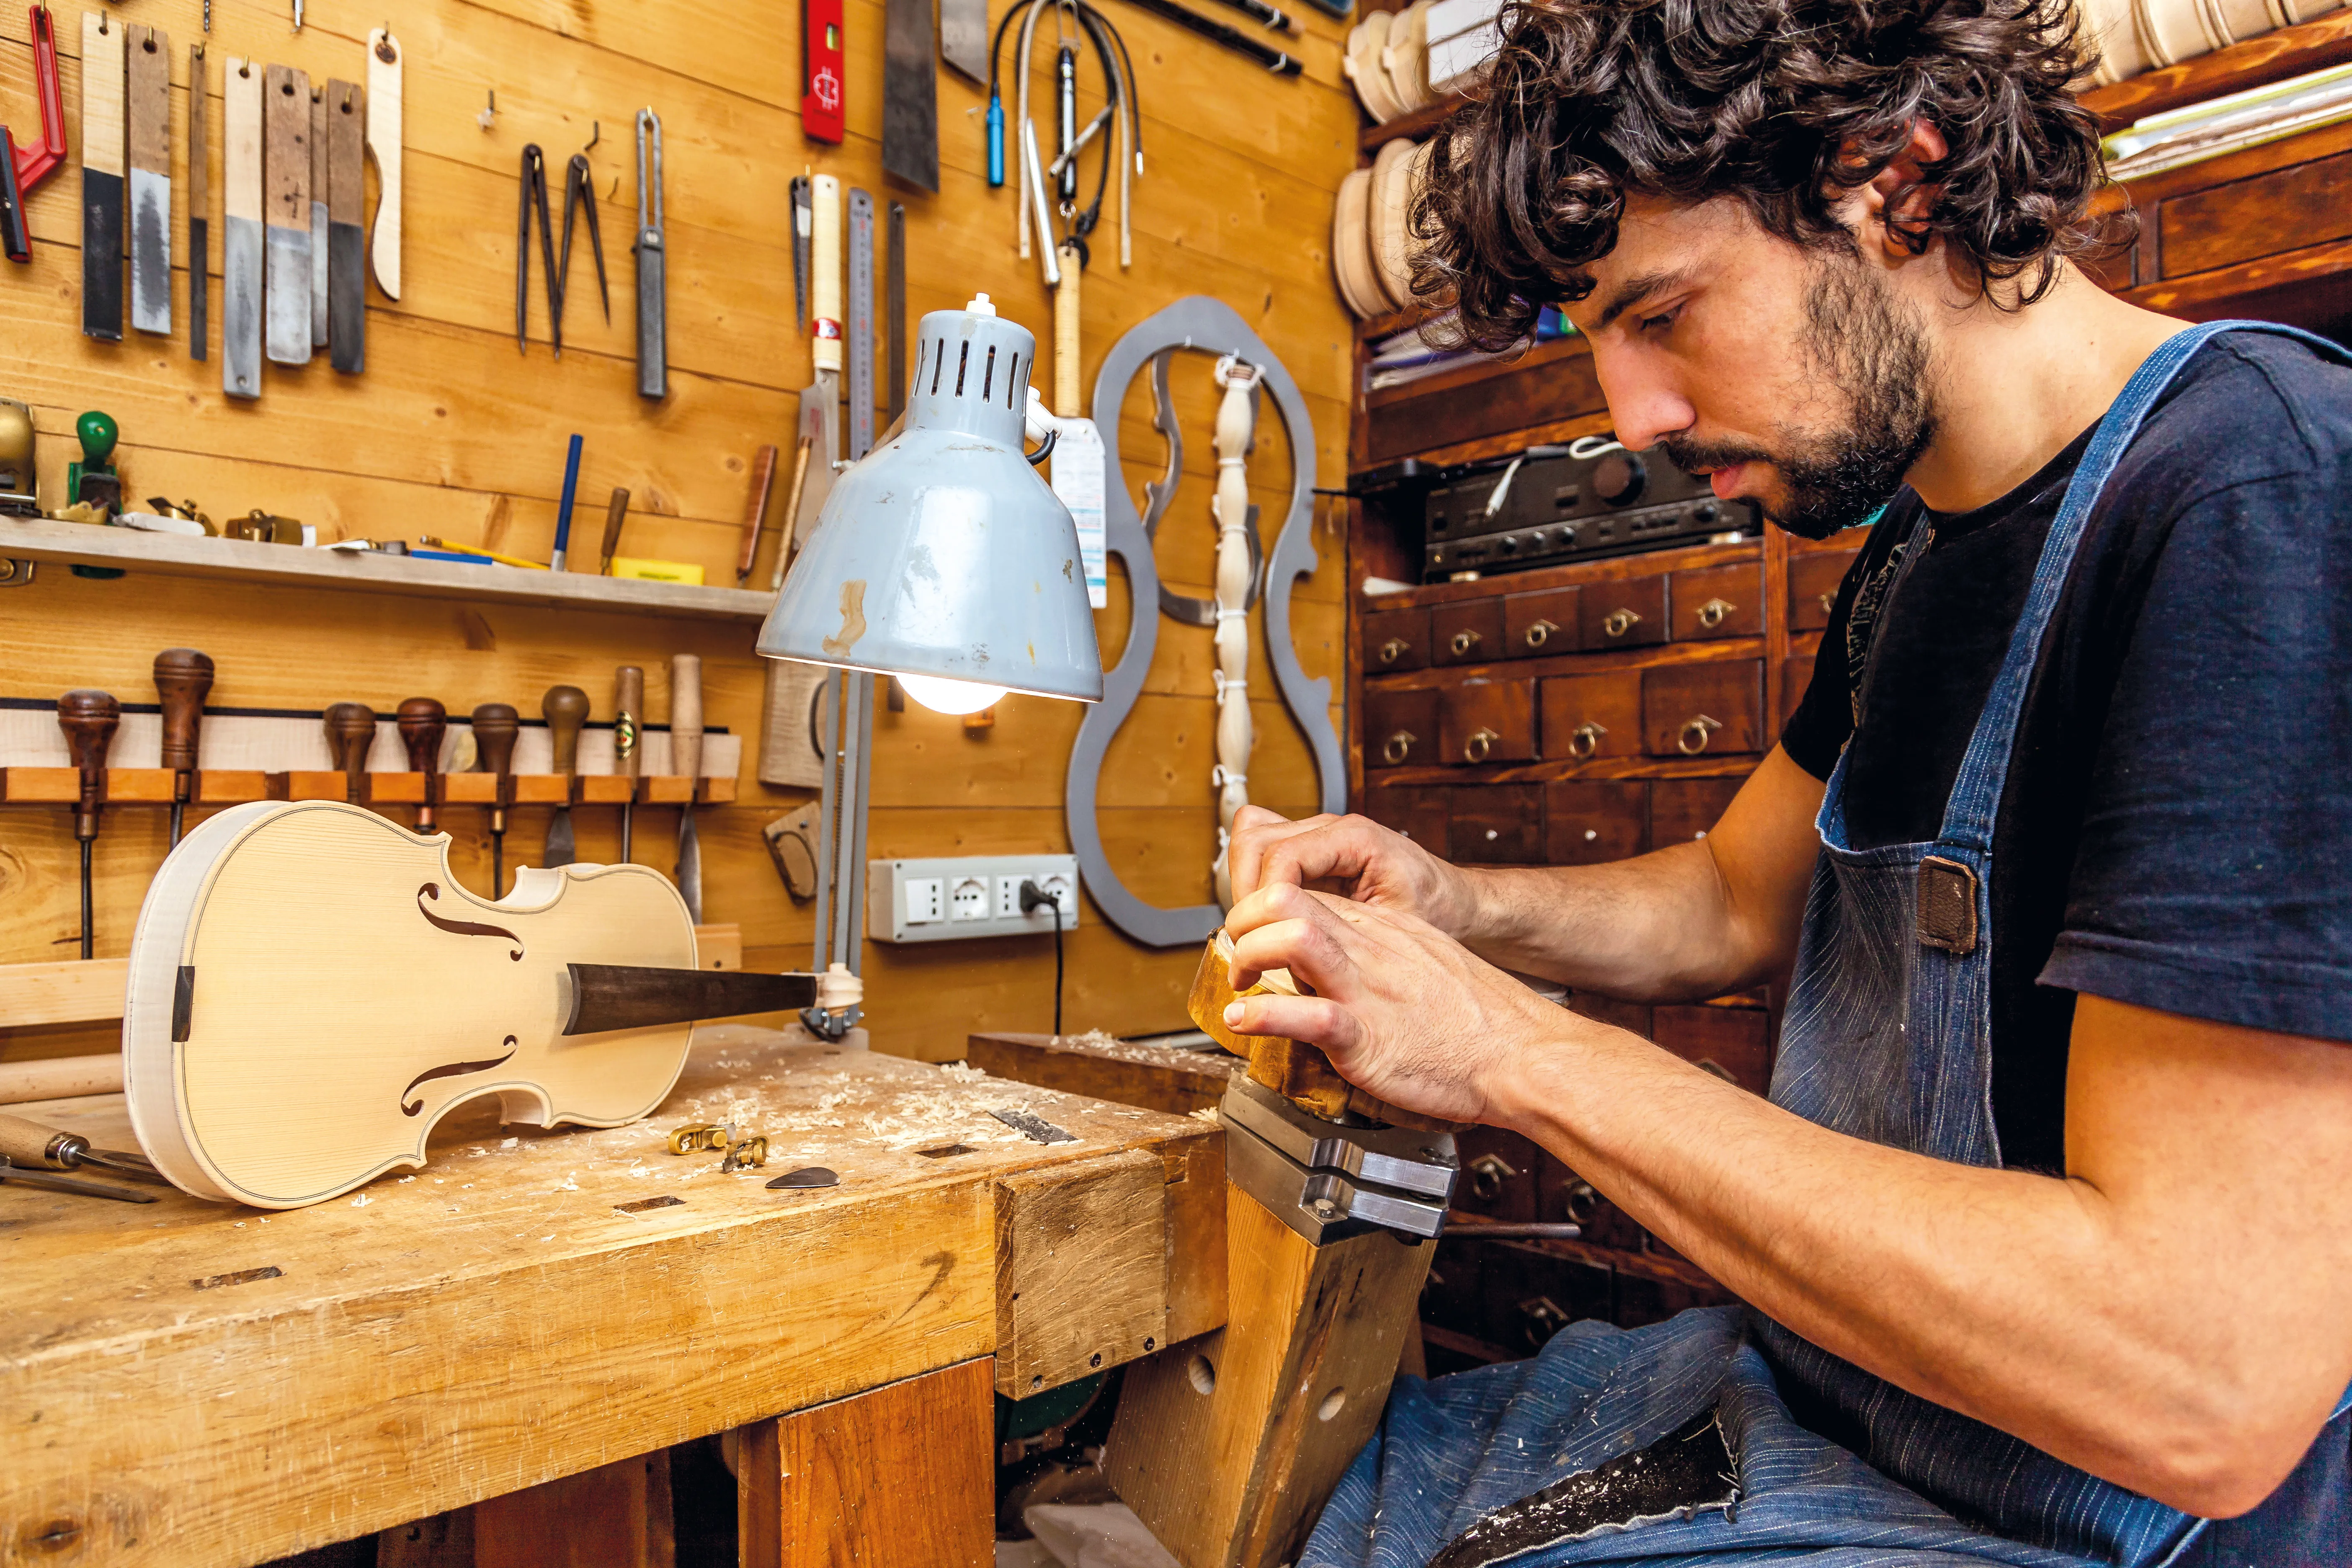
1661,321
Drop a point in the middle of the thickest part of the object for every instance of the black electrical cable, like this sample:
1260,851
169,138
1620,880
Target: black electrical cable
1032,896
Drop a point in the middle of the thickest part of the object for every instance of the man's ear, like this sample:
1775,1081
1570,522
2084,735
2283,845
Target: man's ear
1890,211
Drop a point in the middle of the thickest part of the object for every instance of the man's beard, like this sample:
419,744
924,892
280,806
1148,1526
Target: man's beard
1863,342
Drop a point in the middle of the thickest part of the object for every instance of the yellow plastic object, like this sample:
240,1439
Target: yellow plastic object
656,571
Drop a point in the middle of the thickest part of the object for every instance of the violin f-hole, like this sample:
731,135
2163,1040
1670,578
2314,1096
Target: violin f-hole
463,928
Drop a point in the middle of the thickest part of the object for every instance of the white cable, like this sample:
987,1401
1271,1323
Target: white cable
1584,449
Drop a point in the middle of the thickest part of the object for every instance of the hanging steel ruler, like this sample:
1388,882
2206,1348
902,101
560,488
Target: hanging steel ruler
861,324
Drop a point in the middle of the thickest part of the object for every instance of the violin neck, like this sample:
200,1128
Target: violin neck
607,997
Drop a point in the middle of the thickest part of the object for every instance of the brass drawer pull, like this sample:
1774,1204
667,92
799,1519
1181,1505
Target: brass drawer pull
1479,744
1399,747
1394,649
1487,1174
1828,603
1464,641
1711,614
1692,739
1585,740
1617,623
1539,633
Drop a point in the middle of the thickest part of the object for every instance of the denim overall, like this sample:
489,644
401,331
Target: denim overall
1886,1036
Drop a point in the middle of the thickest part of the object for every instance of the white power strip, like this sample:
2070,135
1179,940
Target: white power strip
951,899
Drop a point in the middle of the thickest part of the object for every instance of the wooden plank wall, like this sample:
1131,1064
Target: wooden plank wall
452,431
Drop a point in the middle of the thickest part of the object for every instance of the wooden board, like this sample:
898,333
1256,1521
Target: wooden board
1159,1078
902,1477
1081,1278
518,1323
614,1516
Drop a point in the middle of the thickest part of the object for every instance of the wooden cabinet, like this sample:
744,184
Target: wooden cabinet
1734,1043
1499,1170
1717,602
1501,825
1418,813
1486,721
1589,822
1395,641
1796,676
1541,623
1626,611
1589,716
1400,728
1813,581
1468,631
1697,709
1682,810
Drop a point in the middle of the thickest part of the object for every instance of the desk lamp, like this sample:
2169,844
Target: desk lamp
941,558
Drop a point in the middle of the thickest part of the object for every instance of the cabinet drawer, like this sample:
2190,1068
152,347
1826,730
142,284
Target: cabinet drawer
1486,721
1628,613
1418,814
1563,1196
1718,602
1693,710
1498,1173
1796,674
1395,640
1539,623
1589,820
1497,825
1732,1042
1470,632
1400,727
1587,716
1682,810
1633,1017
1813,581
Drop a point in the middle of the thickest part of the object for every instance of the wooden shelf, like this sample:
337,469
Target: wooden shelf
152,786
40,539
2274,57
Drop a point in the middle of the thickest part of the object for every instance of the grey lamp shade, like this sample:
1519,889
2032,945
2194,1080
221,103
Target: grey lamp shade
942,552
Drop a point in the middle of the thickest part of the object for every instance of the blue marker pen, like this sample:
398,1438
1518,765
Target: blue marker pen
995,137
563,514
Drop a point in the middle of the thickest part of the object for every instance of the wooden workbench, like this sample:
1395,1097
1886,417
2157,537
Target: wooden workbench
194,1385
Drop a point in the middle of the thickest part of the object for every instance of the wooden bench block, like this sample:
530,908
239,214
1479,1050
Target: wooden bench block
67,991
1081,1270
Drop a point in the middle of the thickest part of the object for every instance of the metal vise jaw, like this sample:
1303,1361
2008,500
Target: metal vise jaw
1328,1181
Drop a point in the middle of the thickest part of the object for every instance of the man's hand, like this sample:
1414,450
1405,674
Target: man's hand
1352,857
1401,1008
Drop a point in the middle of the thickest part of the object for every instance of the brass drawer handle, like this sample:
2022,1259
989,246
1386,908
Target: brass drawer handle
1479,744
1464,641
1487,1174
1539,633
1398,746
1394,649
1617,623
1828,603
1585,740
1692,739
1711,614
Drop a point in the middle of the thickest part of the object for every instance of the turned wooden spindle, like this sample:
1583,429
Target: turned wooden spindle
422,723
351,736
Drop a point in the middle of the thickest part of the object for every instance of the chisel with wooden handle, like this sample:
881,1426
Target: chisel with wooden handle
147,95
102,177
628,717
30,1145
565,708
423,723
616,512
685,759
346,238
755,513
183,678
286,164
199,207
351,736
241,233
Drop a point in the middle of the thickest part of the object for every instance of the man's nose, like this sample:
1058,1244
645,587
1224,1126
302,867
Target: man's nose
1645,401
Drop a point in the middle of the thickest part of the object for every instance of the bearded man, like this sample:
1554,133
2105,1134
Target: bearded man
2046,1229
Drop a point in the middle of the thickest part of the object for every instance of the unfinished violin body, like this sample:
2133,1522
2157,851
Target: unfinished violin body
312,991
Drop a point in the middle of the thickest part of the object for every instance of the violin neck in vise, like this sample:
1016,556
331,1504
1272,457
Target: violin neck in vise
607,997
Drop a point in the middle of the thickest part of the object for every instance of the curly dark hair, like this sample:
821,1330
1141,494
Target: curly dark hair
1788,105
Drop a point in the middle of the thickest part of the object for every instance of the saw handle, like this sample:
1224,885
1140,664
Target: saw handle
89,719
183,678
685,714
565,708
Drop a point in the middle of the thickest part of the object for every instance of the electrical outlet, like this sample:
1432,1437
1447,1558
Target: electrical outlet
968,899
1008,896
1064,891
927,901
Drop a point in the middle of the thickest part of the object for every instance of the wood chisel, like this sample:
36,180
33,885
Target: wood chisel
351,736
241,233
147,102
616,512
346,239
685,760
89,719
384,146
183,678
799,194
565,708
286,213
318,217
653,331
18,1174
29,1145
496,724
910,94
896,308
199,207
102,177
861,324
821,116
424,723
755,512
963,37
628,718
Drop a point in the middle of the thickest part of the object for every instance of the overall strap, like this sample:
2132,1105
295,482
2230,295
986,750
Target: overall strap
1976,792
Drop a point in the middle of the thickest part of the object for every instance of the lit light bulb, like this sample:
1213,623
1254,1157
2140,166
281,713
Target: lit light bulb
943,696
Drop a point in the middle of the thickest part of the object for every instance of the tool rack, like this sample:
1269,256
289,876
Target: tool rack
235,786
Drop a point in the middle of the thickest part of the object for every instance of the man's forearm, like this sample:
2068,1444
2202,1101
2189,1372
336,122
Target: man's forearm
1652,929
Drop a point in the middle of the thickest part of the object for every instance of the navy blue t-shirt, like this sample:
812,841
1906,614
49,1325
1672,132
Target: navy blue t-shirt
2175,831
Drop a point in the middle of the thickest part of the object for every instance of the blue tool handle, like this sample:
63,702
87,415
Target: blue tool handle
996,140
564,513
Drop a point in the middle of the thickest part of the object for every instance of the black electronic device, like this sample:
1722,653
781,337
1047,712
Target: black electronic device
1550,505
